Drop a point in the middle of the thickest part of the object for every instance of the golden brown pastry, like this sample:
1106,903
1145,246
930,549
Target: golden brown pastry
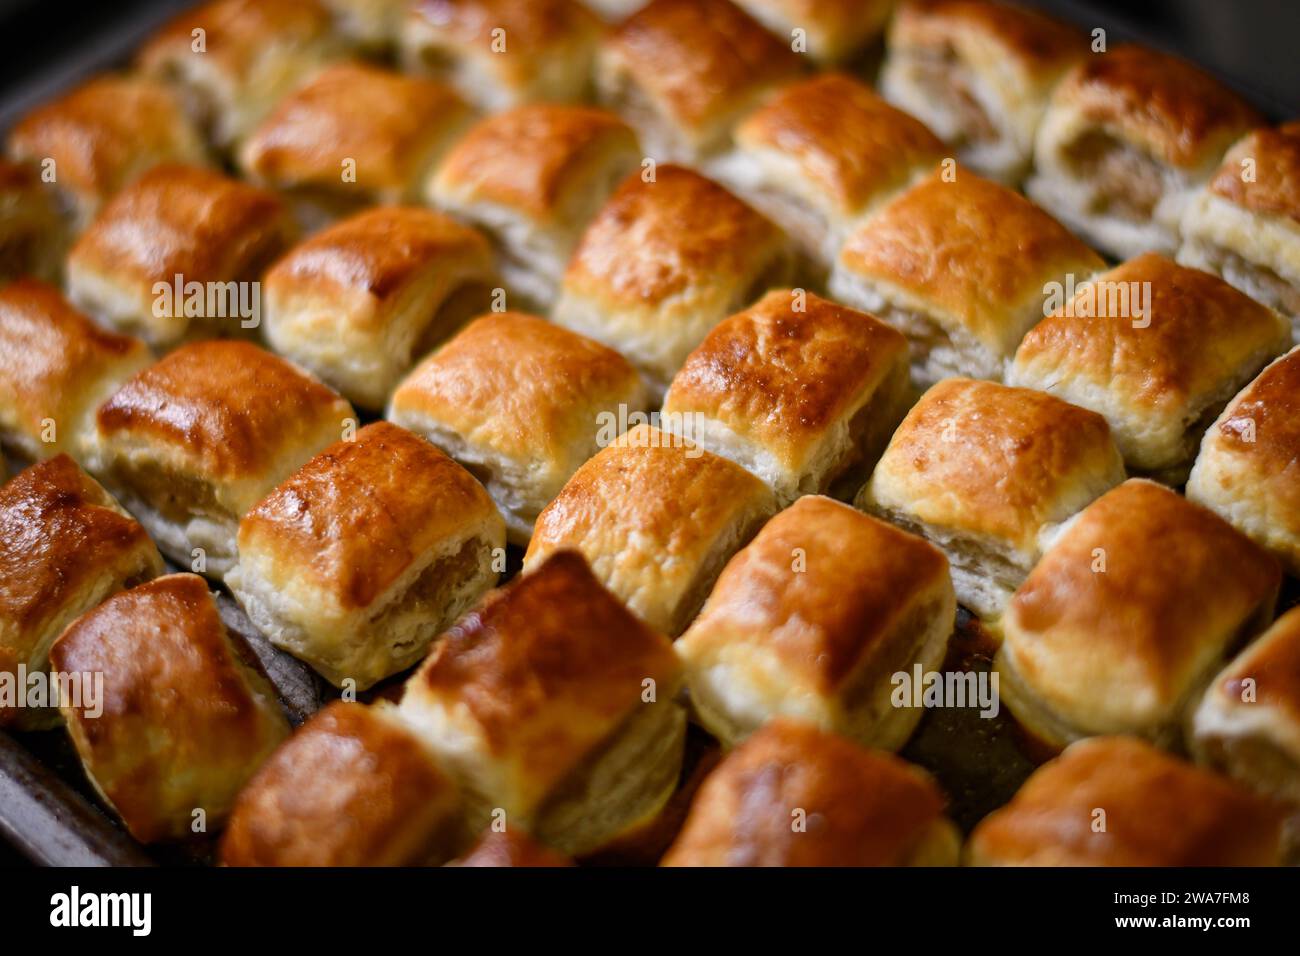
231,60
822,153
185,719
793,795
979,73
532,178
32,237
65,546
663,263
521,403
1127,136
657,518
192,443
366,553
360,301
812,619
1158,350
510,847
828,31
353,135
1246,469
95,139
800,391
1136,604
553,708
683,72
500,53
986,472
1244,224
963,267
1116,801
1248,723
354,786
56,366
177,254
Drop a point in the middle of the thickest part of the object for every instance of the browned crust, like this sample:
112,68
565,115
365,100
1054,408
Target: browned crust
845,137
379,252
230,406
856,579
511,848
862,807
59,530
653,241
357,515
1182,115
782,377
184,722
700,58
1039,44
350,788
1159,811
1275,190
389,124
525,158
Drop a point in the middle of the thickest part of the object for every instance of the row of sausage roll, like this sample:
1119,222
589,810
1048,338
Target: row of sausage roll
550,710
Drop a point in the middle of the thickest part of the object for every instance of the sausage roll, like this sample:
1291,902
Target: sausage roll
820,154
1157,349
185,717
1248,724
102,135
986,472
812,619
354,786
1116,801
802,392
192,443
963,267
56,366
1137,603
1244,224
663,263
683,72
1127,136
32,236
532,178
353,135
980,73
1247,465
521,403
828,31
553,707
231,60
366,553
510,847
65,546
500,53
793,795
658,518
358,302
177,254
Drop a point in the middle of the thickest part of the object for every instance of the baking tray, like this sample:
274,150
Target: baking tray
49,813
